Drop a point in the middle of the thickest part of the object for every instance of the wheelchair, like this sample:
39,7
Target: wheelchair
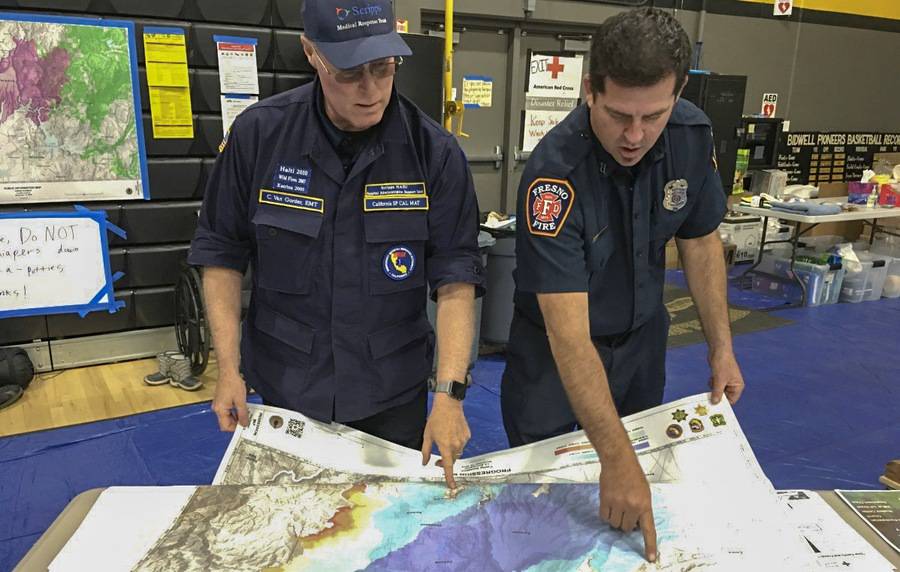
191,324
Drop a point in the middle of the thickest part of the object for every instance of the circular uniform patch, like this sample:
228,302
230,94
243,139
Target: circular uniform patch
399,263
674,431
549,203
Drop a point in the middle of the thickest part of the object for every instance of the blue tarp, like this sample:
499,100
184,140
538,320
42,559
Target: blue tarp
820,411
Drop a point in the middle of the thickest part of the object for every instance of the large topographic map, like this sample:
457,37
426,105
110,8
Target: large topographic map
68,123
399,527
374,524
294,494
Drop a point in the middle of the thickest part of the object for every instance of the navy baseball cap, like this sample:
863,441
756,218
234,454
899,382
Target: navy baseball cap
350,33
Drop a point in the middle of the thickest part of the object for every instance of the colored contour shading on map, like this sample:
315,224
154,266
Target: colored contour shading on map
398,526
68,110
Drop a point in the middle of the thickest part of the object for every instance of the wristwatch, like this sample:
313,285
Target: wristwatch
453,388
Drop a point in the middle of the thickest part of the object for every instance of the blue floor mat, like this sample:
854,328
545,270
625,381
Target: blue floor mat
41,472
820,411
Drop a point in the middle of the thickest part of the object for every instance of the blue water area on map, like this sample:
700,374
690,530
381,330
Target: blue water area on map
506,527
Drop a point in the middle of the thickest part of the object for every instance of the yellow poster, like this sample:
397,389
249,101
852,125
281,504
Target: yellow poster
167,75
165,53
171,113
477,91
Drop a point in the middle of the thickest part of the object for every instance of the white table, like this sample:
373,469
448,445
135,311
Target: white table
870,215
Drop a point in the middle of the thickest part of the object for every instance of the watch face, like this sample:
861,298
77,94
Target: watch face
458,390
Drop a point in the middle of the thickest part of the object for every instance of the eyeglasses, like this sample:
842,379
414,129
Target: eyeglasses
379,70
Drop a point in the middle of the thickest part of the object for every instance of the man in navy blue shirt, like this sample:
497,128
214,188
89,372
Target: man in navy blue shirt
600,196
347,202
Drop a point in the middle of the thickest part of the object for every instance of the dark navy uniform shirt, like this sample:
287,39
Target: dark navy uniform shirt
587,224
342,249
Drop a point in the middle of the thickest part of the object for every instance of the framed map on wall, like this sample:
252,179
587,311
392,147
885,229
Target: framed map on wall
70,123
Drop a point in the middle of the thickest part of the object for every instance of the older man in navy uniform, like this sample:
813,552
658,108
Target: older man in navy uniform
348,202
601,195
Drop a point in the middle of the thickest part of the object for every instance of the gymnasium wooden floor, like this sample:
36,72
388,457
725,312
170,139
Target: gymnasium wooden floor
82,395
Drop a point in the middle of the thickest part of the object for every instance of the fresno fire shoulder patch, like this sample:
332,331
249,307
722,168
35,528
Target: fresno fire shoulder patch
548,205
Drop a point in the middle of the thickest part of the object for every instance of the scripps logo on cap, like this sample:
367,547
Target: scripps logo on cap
343,14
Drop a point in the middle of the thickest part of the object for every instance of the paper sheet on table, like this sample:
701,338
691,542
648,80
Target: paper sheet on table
686,441
832,541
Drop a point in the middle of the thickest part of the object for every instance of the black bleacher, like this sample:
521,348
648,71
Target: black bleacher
159,230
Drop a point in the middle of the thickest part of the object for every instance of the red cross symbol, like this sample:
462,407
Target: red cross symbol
555,68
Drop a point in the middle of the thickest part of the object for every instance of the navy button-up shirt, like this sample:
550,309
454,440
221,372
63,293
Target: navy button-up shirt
336,327
587,224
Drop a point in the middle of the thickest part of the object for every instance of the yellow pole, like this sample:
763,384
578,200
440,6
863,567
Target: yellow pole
448,63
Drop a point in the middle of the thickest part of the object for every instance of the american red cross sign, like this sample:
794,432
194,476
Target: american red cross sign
555,68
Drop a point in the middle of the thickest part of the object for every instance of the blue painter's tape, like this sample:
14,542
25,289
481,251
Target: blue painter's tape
138,120
163,30
235,40
111,305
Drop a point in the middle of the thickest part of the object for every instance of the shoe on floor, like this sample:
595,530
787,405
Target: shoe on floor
189,383
180,374
157,378
165,361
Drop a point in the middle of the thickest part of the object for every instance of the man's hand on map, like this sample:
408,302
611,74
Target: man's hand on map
448,428
625,501
230,401
726,377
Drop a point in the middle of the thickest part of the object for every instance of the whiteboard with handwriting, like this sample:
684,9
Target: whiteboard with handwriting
54,264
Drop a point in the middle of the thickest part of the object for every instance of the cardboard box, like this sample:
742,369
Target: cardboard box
744,232
673,260
849,230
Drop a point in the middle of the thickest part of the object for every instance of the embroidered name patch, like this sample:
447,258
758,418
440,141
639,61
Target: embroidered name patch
291,200
399,263
291,179
548,206
395,197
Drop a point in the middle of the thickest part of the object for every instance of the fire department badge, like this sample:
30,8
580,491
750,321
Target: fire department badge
675,195
548,206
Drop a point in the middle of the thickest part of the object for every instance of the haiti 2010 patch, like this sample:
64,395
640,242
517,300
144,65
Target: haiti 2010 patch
549,203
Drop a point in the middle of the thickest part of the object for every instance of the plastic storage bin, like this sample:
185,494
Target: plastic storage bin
823,281
857,285
822,243
497,312
892,282
880,264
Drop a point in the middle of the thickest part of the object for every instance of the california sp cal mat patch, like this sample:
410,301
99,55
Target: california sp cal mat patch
399,263
549,203
675,195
